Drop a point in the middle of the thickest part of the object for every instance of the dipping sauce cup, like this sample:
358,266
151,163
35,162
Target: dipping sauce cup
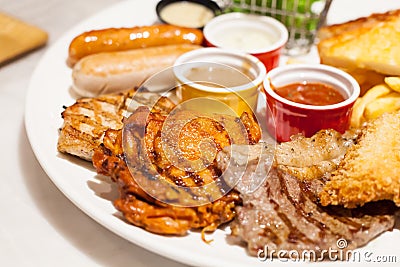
286,118
215,80
301,17
261,36
187,13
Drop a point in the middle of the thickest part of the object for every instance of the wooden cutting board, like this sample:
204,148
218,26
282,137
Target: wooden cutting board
18,37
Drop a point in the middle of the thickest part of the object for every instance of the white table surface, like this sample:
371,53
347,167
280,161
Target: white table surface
39,226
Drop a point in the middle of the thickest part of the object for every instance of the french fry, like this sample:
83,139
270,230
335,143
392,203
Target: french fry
357,114
375,92
394,83
382,105
371,95
393,94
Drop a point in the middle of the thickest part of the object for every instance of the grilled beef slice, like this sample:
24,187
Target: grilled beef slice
284,212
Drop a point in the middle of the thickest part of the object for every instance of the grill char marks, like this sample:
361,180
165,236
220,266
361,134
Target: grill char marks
282,215
155,205
86,121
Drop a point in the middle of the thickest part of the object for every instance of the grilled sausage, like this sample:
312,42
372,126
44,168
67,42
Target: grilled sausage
120,39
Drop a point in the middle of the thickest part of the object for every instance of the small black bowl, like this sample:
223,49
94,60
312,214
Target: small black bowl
211,5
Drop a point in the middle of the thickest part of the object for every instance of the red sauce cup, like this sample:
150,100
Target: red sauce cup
286,118
261,36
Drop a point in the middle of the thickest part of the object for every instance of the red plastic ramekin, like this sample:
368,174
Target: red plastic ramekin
261,36
286,118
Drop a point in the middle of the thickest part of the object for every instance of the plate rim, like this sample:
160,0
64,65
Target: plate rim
89,209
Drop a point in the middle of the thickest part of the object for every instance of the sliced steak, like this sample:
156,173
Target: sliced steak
284,214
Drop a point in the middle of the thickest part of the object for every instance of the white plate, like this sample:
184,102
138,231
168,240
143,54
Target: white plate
48,92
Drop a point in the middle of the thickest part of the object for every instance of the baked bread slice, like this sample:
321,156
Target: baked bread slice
370,169
369,43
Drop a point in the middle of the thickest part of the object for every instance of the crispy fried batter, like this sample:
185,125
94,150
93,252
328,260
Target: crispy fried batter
370,169
141,208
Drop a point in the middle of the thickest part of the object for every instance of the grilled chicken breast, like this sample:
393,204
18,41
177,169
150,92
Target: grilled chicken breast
86,120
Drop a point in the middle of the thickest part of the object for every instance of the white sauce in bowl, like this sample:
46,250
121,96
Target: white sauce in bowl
244,38
186,14
247,33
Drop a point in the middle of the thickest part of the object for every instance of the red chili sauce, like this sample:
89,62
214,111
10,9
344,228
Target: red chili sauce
316,94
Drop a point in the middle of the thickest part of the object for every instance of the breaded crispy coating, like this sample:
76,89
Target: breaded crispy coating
370,171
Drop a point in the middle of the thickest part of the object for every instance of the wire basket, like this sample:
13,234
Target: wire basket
301,17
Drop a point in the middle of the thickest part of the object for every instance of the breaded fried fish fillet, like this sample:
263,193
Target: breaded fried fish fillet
370,171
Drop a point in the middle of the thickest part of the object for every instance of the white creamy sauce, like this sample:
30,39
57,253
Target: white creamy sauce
244,38
186,14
